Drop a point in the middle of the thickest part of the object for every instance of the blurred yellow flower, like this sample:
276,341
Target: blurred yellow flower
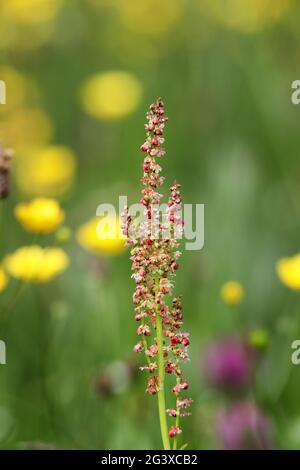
26,128
110,95
247,16
36,264
3,280
63,234
41,215
12,33
232,293
29,11
48,171
102,236
150,16
288,270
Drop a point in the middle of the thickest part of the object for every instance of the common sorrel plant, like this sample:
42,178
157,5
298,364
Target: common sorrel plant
5,160
154,256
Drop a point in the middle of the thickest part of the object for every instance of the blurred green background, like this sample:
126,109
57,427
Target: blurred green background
224,70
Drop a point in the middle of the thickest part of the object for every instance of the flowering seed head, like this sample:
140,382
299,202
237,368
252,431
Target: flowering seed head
138,347
172,412
154,264
174,431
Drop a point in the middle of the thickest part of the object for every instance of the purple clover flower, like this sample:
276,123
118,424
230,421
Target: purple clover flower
228,364
243,426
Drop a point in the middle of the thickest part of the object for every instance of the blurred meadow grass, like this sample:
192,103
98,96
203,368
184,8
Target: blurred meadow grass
80,76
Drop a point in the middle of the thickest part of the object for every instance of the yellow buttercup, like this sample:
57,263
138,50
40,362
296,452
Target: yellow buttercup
30,11
232,293
288,270
142,17
111,95
41,215
247,16
3,280
47,171
26,128
102,236
36,264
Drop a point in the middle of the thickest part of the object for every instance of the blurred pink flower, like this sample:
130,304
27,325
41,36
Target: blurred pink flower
228,364
243,426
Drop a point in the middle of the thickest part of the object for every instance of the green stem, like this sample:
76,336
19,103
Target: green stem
161,391
177,425
12,303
